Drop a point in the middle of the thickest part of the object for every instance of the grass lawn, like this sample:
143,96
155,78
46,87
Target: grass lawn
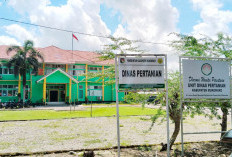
51,114
111,104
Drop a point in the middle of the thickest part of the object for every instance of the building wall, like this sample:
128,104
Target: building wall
35,90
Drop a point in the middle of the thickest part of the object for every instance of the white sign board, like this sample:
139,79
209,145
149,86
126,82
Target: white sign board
204,79
141,71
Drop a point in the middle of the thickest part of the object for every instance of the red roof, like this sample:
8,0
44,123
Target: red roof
53,54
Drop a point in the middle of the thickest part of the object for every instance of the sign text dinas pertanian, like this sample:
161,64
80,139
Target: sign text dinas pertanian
141,73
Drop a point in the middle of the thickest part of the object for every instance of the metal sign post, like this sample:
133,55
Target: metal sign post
203,78
167,107
141,71
118,127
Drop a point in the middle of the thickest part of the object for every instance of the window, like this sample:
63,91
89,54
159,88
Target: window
4,92
94,69
15,92
51,67
95,91
47,71
80,92
55,87
76,70
10,90
5,70
97,87
10,93
55,66
10,86
11,71
61,87
79,67
94,87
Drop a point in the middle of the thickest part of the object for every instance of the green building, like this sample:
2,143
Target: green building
60,79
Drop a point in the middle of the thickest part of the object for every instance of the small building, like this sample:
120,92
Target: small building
60,79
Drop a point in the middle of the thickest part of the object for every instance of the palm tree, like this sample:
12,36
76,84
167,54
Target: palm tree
25,60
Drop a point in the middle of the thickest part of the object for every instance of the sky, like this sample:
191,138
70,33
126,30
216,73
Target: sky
145,20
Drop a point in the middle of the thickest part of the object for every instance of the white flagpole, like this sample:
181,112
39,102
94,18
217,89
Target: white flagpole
72,45
73,61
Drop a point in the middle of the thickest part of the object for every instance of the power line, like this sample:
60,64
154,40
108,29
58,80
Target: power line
70,31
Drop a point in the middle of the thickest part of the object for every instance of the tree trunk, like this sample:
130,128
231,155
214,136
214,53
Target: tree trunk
24,86
224,120
176,120
176,131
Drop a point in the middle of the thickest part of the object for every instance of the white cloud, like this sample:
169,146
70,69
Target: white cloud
150,21
6,40
146,20
25,6
76,15
19,32
214,19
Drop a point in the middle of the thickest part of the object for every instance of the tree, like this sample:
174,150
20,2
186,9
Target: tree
207,47
117,46
122,46
174,105
25,60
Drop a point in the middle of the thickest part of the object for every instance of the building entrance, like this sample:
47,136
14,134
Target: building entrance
55,92
53,95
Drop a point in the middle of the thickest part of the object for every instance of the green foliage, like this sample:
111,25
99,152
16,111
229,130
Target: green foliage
118,46
204,47
190,46
173,94
222,47
25,60
145,148
154,118
108,75
136,98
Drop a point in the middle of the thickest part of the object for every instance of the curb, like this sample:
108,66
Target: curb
91,149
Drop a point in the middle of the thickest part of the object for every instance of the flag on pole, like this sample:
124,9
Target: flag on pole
75,37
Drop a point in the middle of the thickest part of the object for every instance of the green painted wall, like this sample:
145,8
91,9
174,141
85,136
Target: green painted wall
57,77
36,89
